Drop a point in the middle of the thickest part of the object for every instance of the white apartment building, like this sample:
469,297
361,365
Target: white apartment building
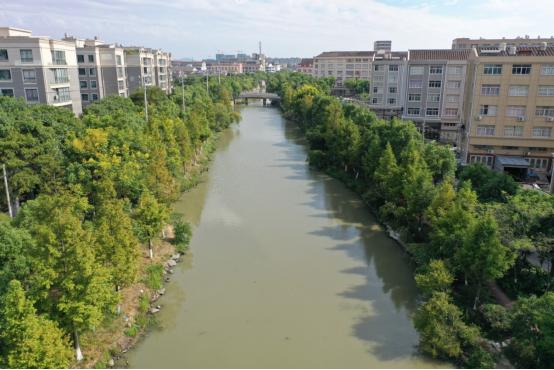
387,86
39,69
343,65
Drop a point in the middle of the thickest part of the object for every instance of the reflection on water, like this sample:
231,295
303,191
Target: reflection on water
287,268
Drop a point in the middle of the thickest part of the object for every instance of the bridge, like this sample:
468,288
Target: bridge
265,96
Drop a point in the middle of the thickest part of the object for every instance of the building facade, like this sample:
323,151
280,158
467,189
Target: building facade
343,65
512,110
162,70
224,68
306,66
387,86
139,68
466,43
39,69
437,92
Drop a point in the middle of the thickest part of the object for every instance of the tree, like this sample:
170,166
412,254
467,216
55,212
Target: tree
387,177
15,245
434,277
482,257
28,340
150,216
491,186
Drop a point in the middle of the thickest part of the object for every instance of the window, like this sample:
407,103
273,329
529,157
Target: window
26,55
378,78
375,89
515,111
433,112
392,90
31,95
547,70
518,90
434,98
58,57
83,84
3,55
451,112
93,84
393,68
542,131
80,58
82,71
121,85
455,70
416,70
487,110
546,90
485,130
6,92
513,131
94,96
435,70
492,69
435,84
521,69
378,67
120,72
545,112
392,101
374,101
452,98
92,71
62,95
453,84
539,163
60,75
414,97
490,90
91,58
413,111
5,75
485,160
118,60
84,97
29,76
415,84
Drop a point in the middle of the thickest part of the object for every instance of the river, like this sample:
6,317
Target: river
286,267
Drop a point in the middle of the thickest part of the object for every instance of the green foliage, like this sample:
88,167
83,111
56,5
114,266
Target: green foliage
183,232
154,276
14,259
434,277
490,186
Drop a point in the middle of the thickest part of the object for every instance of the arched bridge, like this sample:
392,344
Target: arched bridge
265,96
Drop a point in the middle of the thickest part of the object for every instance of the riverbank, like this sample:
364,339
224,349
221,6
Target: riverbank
107,345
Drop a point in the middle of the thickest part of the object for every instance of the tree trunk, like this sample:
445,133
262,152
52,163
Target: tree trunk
118,303
78,353
150,249
163,233
477,296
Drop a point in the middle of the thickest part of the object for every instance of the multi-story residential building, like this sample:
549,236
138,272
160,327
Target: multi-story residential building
253,66
306,66
343,65
512,112
139,66
101,69
39,69
482,43
224,68
437,91
182,68
385,45
162,70
387,86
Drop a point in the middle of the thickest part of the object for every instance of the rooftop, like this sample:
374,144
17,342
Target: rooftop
517,51
332,54
440,54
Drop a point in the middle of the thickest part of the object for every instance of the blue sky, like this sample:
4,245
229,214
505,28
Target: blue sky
201,28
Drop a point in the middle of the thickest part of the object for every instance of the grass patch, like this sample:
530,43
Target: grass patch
154,276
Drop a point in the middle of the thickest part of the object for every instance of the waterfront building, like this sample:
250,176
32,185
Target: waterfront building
306,66
39,69
483,43
147,67
343,65
224,68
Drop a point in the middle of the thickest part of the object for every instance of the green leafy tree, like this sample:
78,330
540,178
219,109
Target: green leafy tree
28,340
150,216
490,185
15,245
434,277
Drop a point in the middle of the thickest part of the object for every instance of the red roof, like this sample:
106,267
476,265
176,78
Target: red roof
440,54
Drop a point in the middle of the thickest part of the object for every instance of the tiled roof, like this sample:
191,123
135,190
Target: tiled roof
306,62
440,54
331,54
520,51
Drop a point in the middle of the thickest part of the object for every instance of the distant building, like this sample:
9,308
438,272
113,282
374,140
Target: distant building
270,68
466,43
306,66
224,68
343,65
382,45
39,69
147,67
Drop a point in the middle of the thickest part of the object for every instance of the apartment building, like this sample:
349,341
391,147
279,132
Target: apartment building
101,69
387,86
385,45
162,70
343,65
224,68
39,69
253,66
306,66
139,67
437,91
481,43
512,111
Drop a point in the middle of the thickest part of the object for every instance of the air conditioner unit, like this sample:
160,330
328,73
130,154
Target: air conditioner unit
521,119
550,119
478,118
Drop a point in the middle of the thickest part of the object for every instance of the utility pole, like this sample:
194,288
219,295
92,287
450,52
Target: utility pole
7,191
207,88
183,89
145,103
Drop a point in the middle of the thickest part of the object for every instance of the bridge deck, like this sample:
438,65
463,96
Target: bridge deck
259,95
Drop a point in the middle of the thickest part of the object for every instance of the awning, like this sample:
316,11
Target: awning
505,161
